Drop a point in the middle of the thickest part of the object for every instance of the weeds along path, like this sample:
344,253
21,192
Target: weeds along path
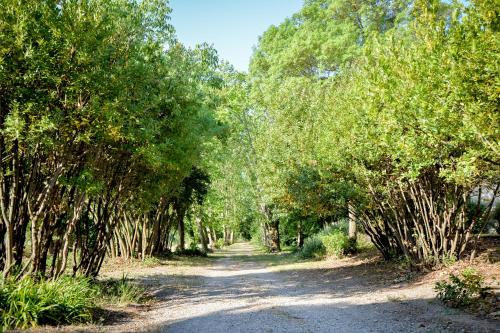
243,290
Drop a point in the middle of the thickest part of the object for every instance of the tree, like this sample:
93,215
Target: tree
98,126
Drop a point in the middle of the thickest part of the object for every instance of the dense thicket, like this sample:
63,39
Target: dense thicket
103,115
383,111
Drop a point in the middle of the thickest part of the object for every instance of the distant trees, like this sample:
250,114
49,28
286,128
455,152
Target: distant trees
103,115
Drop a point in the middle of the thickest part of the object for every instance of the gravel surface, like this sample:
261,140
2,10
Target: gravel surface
238,293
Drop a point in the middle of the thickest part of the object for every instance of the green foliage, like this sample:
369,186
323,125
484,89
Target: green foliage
464,290
337,244
336,240
331,241
313,248
192,251
29,303
219,244
118,115
120,291
387,106
67,300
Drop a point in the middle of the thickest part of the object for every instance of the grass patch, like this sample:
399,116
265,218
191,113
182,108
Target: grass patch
29,303
67,300
120,292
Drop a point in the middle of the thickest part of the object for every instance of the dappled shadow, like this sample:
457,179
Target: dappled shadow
246,279
238,293
112,316
403,316
243,275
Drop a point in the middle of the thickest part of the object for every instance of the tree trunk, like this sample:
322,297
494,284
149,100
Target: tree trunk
203,239
144,243
274,236
353,232
300,234
180,230
211,242
226,236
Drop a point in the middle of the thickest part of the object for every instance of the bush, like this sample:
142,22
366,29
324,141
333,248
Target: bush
338,244
313,248
332,241
336,239
191,253
28,303
219,244
120,291
462,291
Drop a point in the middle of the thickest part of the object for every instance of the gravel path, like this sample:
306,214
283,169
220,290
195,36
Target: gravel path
239,294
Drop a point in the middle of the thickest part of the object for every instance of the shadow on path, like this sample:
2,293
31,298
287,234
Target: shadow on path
238,293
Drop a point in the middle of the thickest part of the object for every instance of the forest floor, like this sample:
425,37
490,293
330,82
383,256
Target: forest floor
242,289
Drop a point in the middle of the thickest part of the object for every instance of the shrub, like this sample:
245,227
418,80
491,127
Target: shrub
338,244
121,291
313,248
463,290
28,303
336,239
219,244
152,261
191,252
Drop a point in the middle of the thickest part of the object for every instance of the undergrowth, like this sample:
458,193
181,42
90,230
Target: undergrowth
120,292
68,300
192,251
462,291
332,241
313,248
29,303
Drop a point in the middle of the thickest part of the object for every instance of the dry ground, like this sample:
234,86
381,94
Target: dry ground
242,289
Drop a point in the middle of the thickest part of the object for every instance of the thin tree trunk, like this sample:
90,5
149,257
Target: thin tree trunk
300,234
180,230
353,232
203,239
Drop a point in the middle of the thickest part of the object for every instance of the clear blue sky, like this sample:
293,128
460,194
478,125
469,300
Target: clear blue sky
232,26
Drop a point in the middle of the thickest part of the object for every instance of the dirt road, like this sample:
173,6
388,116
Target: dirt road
239,293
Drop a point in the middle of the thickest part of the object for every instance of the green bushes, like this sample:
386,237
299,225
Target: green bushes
462,291
332,241
313,248
219,244
28,303
338,244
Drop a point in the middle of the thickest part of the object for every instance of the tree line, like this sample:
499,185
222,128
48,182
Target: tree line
116,140
103,118
381,112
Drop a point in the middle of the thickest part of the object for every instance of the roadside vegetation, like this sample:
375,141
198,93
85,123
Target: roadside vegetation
32,302
359,123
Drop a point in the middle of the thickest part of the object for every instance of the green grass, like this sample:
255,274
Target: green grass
262,256
120,292
67,300
29,303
